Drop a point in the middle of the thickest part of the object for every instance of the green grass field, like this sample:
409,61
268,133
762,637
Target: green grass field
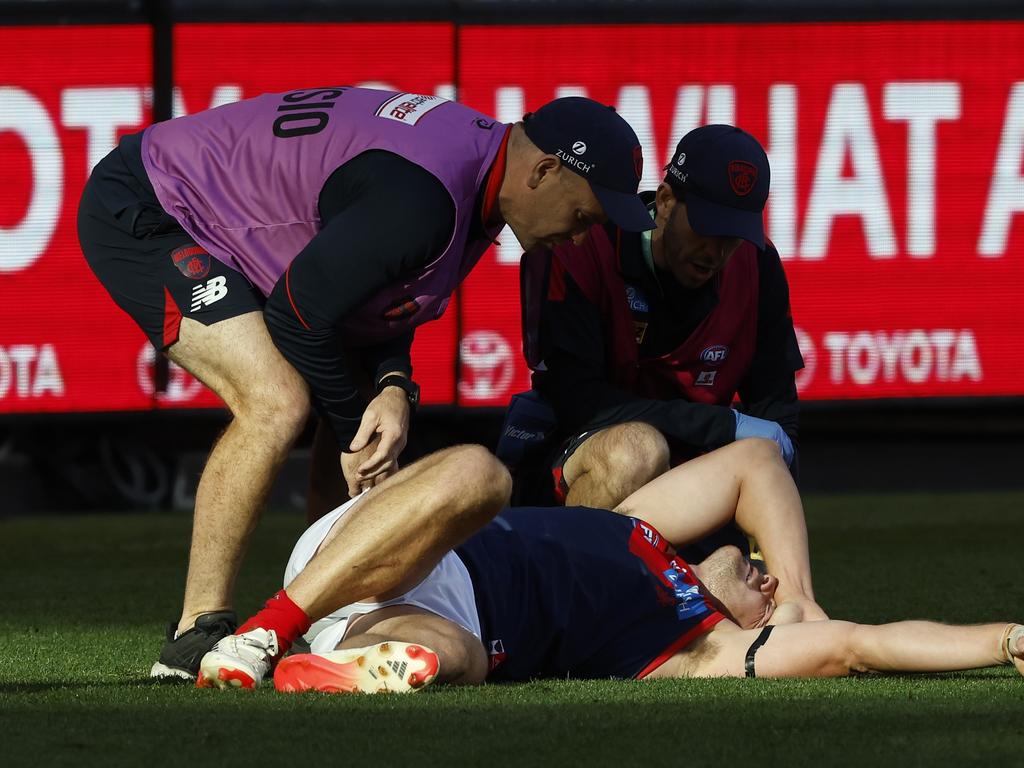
85,599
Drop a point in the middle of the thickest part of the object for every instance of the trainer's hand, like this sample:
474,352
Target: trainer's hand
751,426
350,463
382,435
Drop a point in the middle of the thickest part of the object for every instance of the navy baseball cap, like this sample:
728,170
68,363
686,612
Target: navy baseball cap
724,175
594,141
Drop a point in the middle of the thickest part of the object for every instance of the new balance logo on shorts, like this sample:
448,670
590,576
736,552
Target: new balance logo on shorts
204,294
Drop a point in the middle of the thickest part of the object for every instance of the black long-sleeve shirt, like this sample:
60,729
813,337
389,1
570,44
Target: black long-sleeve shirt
574,347
383,218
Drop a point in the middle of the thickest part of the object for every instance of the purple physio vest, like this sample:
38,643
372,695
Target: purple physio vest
244,181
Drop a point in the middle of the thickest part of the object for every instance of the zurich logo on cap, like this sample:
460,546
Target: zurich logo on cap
594,141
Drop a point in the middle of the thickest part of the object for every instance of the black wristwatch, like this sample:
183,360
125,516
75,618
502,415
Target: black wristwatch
410,387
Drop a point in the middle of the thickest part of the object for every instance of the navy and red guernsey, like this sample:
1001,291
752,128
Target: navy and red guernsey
685,370
582,593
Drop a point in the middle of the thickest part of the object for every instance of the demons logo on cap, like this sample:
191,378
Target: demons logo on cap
638,161
192,261
742,177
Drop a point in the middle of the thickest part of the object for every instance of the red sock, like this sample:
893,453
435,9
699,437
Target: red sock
281,615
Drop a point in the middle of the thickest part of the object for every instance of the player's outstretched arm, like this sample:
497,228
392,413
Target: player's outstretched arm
840,648
746,481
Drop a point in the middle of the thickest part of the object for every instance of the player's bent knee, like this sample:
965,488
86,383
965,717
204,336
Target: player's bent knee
472,485
483,473
758,449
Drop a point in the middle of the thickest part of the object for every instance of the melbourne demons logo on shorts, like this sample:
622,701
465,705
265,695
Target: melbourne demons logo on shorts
192,261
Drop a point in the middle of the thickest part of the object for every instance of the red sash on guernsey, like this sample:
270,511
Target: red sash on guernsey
708,366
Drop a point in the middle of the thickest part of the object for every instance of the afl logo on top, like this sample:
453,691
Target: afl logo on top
715,355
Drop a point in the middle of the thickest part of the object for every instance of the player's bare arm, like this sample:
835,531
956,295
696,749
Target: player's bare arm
841,648
746,481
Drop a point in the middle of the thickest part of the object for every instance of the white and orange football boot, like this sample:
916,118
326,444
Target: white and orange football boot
239,661
390,667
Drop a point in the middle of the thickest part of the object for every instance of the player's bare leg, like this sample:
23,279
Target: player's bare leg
387,543
839,648
746,481
390,542
269,403
399,648
614,463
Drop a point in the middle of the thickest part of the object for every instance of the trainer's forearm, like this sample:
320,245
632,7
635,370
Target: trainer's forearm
924,646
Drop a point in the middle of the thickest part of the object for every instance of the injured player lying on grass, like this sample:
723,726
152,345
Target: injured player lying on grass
465,597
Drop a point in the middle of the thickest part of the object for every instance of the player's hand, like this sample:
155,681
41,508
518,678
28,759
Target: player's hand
751,426
384,429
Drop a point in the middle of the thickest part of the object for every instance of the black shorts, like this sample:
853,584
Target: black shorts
567,449
694,553
151,267
678,455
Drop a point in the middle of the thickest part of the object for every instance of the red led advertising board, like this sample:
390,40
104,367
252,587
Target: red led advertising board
66,94
897,154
